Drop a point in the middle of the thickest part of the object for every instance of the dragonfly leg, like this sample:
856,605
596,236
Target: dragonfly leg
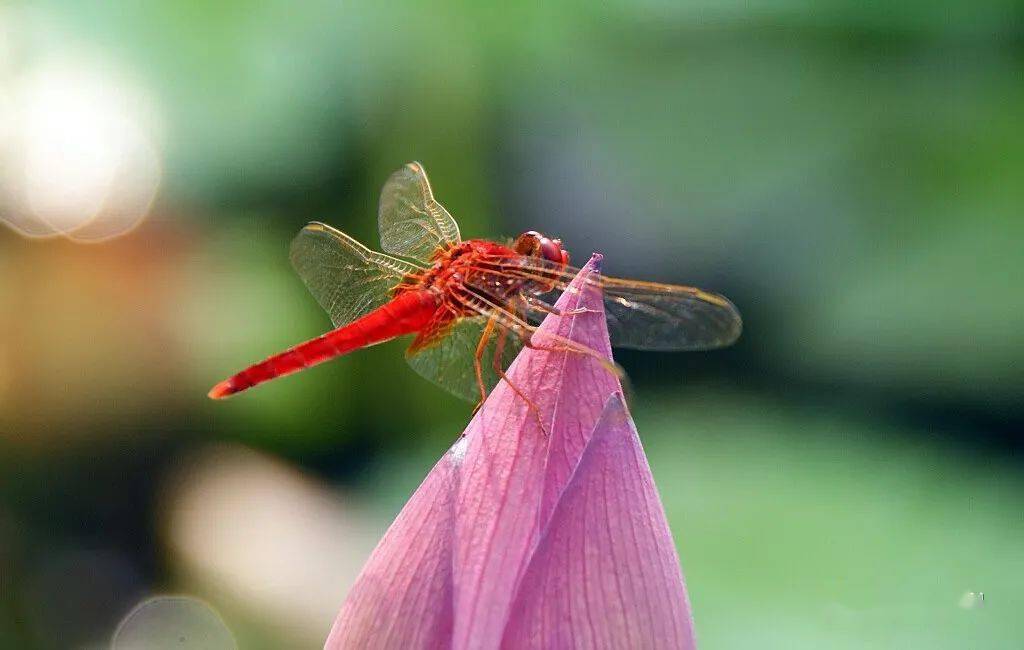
544,307
478,358
565,345
498,351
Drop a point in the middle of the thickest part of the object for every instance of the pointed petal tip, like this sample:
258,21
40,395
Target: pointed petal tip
615,412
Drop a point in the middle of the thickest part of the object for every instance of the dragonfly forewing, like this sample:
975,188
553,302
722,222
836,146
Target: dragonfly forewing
641,315
411,222
649,316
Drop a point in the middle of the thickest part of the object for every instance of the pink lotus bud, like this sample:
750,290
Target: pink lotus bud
525,536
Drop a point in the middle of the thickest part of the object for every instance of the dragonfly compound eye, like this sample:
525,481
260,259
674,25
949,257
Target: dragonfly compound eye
551,250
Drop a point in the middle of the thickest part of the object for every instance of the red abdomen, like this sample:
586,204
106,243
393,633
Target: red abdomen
407,313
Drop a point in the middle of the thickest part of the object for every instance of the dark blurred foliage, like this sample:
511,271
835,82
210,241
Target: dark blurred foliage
848,173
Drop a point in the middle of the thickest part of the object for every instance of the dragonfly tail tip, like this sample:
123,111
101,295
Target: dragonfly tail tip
222,390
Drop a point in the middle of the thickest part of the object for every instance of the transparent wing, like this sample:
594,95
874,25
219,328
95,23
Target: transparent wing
346,278
644,315
652,316
448,356
413,224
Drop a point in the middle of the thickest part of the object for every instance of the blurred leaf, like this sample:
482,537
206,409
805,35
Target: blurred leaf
800,529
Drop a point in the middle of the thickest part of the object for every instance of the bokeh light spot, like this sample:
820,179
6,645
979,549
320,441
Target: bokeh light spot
173,622
78,138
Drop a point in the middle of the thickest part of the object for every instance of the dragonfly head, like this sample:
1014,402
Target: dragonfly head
535,244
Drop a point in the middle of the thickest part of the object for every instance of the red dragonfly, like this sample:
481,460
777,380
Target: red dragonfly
471,304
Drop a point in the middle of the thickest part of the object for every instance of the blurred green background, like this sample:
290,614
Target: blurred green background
849,173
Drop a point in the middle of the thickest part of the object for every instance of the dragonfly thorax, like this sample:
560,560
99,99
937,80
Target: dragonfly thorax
472,272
